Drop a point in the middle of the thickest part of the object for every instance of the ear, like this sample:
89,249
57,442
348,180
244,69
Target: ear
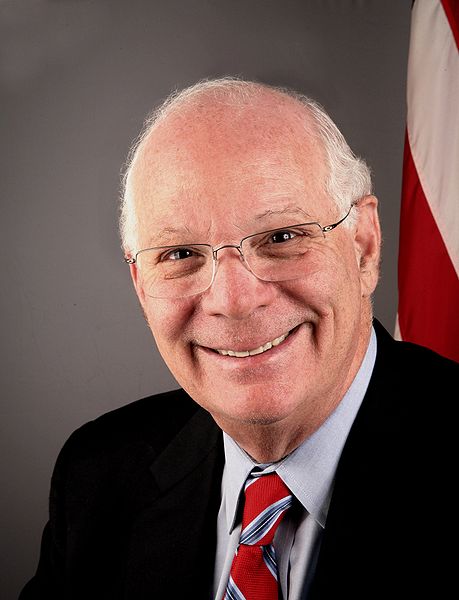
367,241
137,283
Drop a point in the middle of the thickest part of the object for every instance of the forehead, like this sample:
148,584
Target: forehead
212,166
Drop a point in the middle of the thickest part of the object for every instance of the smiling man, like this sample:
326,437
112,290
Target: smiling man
220,169
292,462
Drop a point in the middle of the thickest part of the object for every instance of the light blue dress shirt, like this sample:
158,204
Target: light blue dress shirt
309,473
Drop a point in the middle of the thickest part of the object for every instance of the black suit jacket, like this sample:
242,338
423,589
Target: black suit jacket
135,496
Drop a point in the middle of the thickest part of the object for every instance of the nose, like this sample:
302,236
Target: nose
236,292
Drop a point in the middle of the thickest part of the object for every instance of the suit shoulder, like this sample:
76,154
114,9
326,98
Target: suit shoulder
152,421
410,391
412,365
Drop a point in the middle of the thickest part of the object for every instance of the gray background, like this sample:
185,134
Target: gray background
76,80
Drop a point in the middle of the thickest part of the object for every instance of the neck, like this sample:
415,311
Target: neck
271,442
268,443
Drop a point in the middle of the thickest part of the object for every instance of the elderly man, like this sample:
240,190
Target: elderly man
303,458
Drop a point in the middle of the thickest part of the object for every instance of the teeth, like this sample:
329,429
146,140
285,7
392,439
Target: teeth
255,351
278,340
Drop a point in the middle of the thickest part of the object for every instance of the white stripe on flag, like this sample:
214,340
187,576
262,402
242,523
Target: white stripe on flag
433,116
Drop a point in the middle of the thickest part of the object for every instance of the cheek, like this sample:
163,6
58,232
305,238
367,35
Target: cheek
334,282
168,322
343,271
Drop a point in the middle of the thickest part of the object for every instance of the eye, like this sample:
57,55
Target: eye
178,254
278,237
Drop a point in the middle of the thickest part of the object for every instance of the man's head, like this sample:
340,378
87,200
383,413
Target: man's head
219,162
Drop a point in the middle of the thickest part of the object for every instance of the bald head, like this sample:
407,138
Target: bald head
222,126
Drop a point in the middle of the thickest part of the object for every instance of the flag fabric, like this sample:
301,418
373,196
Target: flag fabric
428,268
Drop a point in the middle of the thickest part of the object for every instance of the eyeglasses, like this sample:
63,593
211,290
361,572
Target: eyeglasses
183,270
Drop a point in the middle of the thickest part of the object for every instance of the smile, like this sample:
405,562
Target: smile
259,350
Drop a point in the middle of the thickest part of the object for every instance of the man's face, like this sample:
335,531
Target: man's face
215,178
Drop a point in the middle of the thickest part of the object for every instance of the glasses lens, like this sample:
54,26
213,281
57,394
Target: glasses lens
175,271
282,254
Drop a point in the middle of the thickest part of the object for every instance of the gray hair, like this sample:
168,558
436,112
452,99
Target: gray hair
348,178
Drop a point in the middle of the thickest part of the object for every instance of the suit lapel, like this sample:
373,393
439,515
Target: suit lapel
189,448
181,520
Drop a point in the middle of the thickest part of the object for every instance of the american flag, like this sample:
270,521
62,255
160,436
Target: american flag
428,270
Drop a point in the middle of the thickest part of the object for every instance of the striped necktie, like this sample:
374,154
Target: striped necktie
253,574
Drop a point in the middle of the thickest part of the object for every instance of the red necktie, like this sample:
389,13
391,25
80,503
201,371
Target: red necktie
253,574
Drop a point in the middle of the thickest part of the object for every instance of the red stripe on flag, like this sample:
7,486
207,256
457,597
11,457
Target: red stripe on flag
428,309
451,8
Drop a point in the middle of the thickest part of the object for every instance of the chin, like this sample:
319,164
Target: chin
253,408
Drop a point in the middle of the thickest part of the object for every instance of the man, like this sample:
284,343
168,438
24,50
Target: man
253,242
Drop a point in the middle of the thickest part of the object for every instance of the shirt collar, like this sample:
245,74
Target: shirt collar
310,469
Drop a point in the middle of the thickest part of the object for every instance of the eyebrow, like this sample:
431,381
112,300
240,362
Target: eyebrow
167,232
288,210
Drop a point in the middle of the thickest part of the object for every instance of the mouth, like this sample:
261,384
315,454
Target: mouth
254,351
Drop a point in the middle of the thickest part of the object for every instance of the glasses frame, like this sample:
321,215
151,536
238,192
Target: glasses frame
130,260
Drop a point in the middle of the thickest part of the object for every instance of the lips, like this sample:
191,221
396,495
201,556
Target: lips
259,350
